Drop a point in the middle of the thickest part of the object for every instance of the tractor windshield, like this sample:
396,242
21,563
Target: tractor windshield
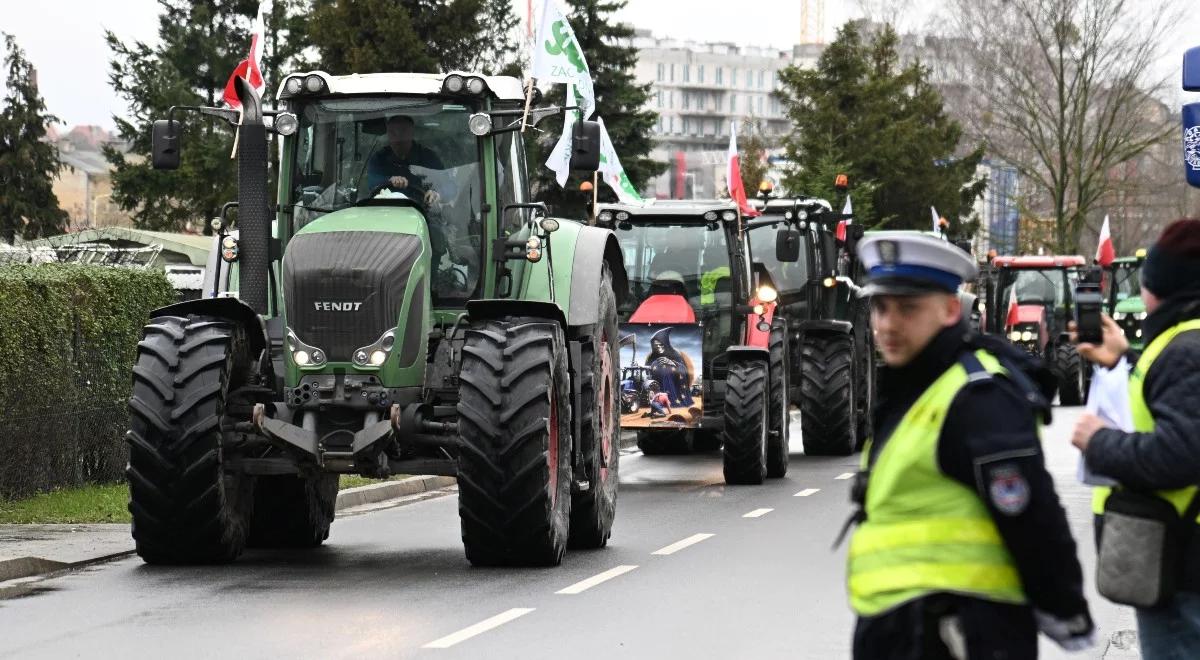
1128,282
790,278
1046,287
691,260
352,149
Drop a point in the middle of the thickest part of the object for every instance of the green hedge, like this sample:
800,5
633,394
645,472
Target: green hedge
68,338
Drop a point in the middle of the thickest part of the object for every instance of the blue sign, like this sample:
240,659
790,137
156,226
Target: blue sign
1191,143
1191,70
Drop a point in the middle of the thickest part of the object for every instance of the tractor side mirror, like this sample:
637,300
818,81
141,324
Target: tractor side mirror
585,146
787,246
164,144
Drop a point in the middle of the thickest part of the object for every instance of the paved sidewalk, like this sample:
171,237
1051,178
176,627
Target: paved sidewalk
29,550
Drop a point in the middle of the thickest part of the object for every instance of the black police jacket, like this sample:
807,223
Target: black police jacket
990,443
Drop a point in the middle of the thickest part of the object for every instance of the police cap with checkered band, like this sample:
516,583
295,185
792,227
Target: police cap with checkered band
902,263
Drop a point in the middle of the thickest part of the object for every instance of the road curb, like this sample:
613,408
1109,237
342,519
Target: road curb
26,567
390,490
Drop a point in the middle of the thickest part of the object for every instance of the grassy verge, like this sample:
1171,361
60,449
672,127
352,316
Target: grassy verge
99,503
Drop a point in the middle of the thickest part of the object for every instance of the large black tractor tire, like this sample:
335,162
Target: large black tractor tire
827,407
186,508
593,510
747,422
1068,369
779,432
514,465
665,442
864,377
292,511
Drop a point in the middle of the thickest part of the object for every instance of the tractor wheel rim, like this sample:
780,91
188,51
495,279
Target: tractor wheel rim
552,450
606,408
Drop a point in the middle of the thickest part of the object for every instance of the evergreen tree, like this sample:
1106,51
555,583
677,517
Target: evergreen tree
752,156
201,41
28,164
885,123
413,36
619,100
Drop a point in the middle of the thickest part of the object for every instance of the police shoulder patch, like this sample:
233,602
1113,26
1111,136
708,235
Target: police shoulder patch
1008,489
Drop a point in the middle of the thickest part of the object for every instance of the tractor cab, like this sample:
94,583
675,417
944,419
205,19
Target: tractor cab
698,317
1124,296
1030,302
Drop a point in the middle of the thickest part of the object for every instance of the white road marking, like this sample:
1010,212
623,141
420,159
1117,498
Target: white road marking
758,513
479,628
806,492
845,475
584,585
680,545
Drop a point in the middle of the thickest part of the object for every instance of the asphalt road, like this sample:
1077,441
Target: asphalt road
694,569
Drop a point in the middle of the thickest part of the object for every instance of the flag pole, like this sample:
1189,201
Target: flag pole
595,195
528,102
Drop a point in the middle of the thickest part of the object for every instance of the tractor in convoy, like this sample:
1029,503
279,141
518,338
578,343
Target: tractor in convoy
1124,296
396,306
703,356
1030,300
829,344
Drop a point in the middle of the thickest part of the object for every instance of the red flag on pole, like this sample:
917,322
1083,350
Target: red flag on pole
1011,321
1104,251
250,68
733,175
841,225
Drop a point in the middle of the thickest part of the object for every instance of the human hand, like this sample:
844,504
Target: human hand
432,197
1074,634
398,182
1108,353
1085,427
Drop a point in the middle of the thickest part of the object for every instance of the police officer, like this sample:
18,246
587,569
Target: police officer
962,549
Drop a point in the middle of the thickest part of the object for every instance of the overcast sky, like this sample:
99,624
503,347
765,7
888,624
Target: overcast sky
65,38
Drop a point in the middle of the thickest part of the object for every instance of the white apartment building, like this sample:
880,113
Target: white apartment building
698,89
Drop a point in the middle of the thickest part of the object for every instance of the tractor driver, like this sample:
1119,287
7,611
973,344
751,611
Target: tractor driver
394,163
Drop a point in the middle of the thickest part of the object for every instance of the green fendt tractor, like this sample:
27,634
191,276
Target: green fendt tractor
401,308
830,344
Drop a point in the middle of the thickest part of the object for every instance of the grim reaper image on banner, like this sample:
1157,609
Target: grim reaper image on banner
670,368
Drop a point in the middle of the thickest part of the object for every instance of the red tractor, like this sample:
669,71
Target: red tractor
1029,301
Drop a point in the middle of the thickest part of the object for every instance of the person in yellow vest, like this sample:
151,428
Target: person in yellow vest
962,549
1162,454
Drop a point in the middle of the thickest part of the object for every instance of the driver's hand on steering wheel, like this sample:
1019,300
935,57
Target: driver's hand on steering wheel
398,182
432,197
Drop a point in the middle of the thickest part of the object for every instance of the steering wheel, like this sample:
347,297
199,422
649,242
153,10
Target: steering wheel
407,199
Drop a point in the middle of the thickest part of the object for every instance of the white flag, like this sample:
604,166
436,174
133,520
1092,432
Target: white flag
558,58
612,171
848,209
559,161
937,228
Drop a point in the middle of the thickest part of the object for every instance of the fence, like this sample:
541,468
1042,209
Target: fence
68,338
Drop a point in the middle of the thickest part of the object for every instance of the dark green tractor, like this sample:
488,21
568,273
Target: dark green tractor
400,307
832,353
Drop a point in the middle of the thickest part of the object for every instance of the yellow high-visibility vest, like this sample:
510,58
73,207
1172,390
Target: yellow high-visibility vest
925,532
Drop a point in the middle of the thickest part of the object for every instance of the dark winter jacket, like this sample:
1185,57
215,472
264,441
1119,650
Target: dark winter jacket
991,430
1168,457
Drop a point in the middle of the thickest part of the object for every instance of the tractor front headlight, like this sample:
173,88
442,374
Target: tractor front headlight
1015,335
375,355
480,124
1139,315
1119,316
303,354
767,293
1026,336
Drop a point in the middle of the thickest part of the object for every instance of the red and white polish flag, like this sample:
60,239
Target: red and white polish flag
1104,251
848,209
251,67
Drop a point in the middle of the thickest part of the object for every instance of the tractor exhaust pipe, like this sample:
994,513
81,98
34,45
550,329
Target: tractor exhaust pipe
254,213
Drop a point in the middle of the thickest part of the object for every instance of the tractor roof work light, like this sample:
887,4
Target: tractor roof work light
314,84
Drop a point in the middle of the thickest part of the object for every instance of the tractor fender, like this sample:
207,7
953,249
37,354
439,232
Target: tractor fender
593,247
825,325
498,308
231,309
744,353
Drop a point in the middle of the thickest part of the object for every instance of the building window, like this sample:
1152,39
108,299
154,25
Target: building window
720,74
671,99
732,103
672,72
687,126
733,77
661,68
749,79
760,79
687,100
700,74
760,106
770,80
687,73
659,96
